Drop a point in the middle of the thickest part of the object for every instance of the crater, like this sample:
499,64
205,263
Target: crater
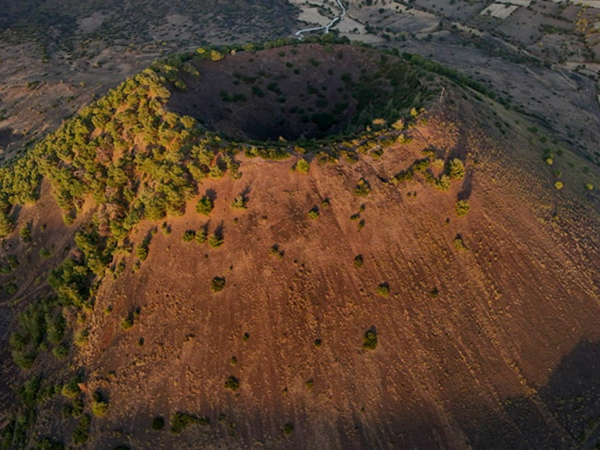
304,91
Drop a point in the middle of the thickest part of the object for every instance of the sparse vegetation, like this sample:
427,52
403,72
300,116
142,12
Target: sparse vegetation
362,189
239,202
459,243
288,428
302,166
358,261
99,405
180,421
127,158
232,383
201,236
81,433
127,323
456,169
142,250
276,251
205,206
188,235
370,339
218,284
462,208
215,240
314,213
383,289
158,423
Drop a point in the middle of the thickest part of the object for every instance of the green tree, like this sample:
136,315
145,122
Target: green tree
462,208
218,284
302,166
205,206
215,240
370,339
362,189
239,202
456,169
6,225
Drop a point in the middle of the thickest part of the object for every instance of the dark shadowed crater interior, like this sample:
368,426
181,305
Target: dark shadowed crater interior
299,91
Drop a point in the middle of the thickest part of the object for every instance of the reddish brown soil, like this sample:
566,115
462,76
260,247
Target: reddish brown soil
504,356
498,359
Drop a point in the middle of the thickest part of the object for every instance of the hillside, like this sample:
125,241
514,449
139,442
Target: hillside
317,245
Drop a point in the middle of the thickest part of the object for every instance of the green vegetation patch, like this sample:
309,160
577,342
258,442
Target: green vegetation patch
180,421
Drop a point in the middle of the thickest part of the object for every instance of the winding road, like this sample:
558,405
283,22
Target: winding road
299,33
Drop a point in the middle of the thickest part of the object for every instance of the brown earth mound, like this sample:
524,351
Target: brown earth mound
489,344
347,307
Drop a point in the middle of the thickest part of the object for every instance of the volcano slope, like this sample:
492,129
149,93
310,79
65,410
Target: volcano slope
395,268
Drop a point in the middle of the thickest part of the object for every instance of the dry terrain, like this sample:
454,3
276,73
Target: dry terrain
486,324
488,331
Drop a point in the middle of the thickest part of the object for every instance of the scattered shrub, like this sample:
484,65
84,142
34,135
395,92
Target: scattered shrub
358,261
218,284
276,252
77,407
442,183
314,213
10,288
232,383
45,253
458,243
215,240
370,339
25,233
82,337
180,421
456,169
158,423
99,406
421,165
47,444
559,185
127,323
205,206
141,250
81,433
240,202
71,389
201,236
362,189
383,289
288,428
6,225
462,208
60,352
188,235
302,166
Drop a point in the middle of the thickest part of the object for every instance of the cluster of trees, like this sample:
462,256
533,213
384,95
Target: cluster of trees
451,170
